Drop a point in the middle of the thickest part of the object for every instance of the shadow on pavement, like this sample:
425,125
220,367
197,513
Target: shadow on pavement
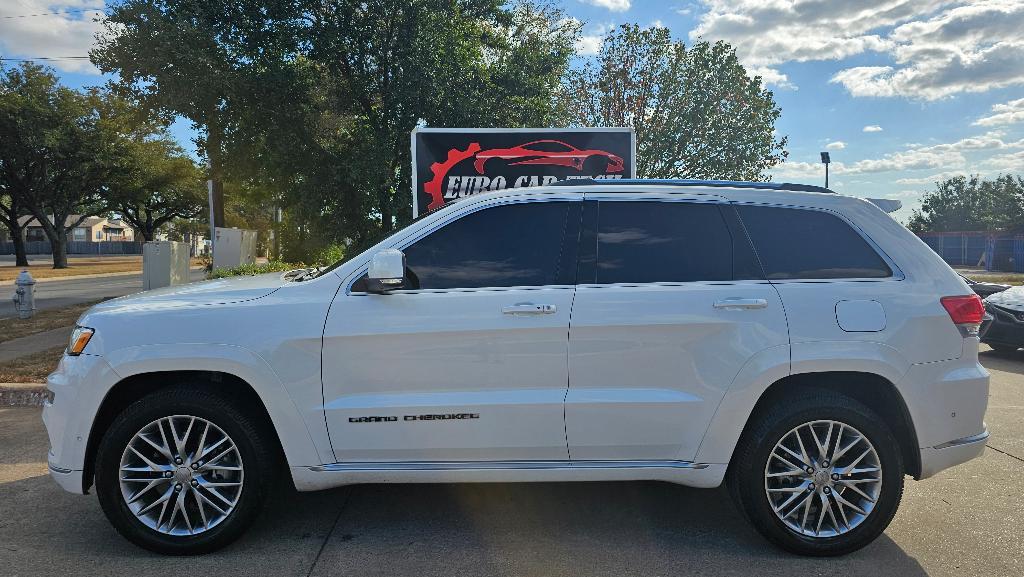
1010,362
546,529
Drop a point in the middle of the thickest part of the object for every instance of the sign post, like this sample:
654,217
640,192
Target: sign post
452,163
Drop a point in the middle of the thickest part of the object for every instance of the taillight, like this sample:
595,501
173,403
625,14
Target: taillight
966,312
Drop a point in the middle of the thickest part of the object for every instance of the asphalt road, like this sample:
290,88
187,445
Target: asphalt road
61,293
967,521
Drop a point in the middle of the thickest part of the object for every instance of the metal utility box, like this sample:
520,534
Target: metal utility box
164,263
233,247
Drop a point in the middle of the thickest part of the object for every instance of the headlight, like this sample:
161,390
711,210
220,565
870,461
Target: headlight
79,338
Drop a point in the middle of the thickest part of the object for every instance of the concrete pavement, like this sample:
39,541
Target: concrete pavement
966,522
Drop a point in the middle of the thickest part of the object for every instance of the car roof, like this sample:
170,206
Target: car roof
790,186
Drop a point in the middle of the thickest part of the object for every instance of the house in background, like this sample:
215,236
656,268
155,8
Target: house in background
92,229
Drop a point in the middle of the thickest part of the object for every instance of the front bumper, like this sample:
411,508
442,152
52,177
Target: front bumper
1006,328
78,385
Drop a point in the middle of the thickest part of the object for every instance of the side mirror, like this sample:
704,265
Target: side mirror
387,272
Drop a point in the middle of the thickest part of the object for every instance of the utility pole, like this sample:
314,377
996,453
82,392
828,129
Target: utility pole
825,160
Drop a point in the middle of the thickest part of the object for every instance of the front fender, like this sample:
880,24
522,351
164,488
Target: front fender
297,432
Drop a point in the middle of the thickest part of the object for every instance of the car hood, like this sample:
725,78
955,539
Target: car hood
1011,298
212,292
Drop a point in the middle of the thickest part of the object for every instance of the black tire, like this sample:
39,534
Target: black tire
747,472
254,449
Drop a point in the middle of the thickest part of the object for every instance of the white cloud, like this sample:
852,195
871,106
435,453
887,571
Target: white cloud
771,77
1009,113
944,156
872,128
929,179
613,5
591,38
836,145
972,48
50,36
657,24
937,47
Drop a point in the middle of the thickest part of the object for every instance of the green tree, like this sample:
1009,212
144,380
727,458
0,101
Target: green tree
310,102
155,181
57,158
696,112
971,204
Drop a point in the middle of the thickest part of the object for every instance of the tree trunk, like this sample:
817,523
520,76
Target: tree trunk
18,238
60,250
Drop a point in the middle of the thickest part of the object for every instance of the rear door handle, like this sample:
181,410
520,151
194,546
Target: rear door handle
741,304
529,309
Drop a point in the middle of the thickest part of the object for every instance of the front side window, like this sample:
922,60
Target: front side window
809,244
644,242
504,246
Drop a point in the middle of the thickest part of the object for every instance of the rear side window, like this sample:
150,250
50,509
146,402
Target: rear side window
643,242
809,244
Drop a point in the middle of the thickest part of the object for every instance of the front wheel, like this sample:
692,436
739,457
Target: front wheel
821,475
183,472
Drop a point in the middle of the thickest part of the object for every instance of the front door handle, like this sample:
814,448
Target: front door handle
738,304
529,309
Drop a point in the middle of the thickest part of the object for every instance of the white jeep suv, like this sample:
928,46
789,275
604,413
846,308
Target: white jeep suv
801,346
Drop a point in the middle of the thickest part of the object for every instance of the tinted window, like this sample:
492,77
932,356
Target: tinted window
511,245
640,242
809,244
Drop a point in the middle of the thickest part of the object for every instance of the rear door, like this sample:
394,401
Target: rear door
671,304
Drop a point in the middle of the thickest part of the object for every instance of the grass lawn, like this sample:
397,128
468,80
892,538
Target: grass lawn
31,368
13,328
78,266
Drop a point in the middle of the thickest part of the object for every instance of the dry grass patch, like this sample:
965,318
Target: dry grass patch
42,321
31,368
78,266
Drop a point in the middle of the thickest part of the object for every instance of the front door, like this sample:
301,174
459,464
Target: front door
671,304
469,361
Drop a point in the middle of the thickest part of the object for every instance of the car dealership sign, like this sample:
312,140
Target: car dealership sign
452,163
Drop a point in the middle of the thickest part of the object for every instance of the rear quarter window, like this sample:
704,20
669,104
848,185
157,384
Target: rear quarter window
795,243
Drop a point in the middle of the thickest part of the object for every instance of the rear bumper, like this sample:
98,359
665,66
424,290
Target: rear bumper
952,453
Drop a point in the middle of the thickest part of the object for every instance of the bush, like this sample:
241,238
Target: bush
254,269
328,255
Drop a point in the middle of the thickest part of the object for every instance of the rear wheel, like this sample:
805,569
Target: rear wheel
183,472
821,475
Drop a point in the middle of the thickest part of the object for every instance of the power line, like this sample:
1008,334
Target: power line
77,11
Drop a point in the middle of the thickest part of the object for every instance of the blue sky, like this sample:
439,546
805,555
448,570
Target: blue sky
900,92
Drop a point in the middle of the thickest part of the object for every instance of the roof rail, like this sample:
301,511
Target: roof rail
796,187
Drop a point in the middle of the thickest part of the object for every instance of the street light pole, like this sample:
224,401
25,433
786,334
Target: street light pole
825,160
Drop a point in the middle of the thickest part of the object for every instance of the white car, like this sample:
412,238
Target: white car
800,345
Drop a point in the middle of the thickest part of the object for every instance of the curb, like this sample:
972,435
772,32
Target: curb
23,394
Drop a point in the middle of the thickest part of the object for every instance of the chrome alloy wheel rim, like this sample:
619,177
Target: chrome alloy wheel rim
181,475
823,478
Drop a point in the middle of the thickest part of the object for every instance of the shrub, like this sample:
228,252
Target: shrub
254,269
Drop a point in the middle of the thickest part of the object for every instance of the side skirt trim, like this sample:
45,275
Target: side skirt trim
503,465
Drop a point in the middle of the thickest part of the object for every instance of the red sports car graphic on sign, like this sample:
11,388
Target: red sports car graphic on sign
549,152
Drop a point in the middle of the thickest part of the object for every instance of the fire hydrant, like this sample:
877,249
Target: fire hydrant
25,295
